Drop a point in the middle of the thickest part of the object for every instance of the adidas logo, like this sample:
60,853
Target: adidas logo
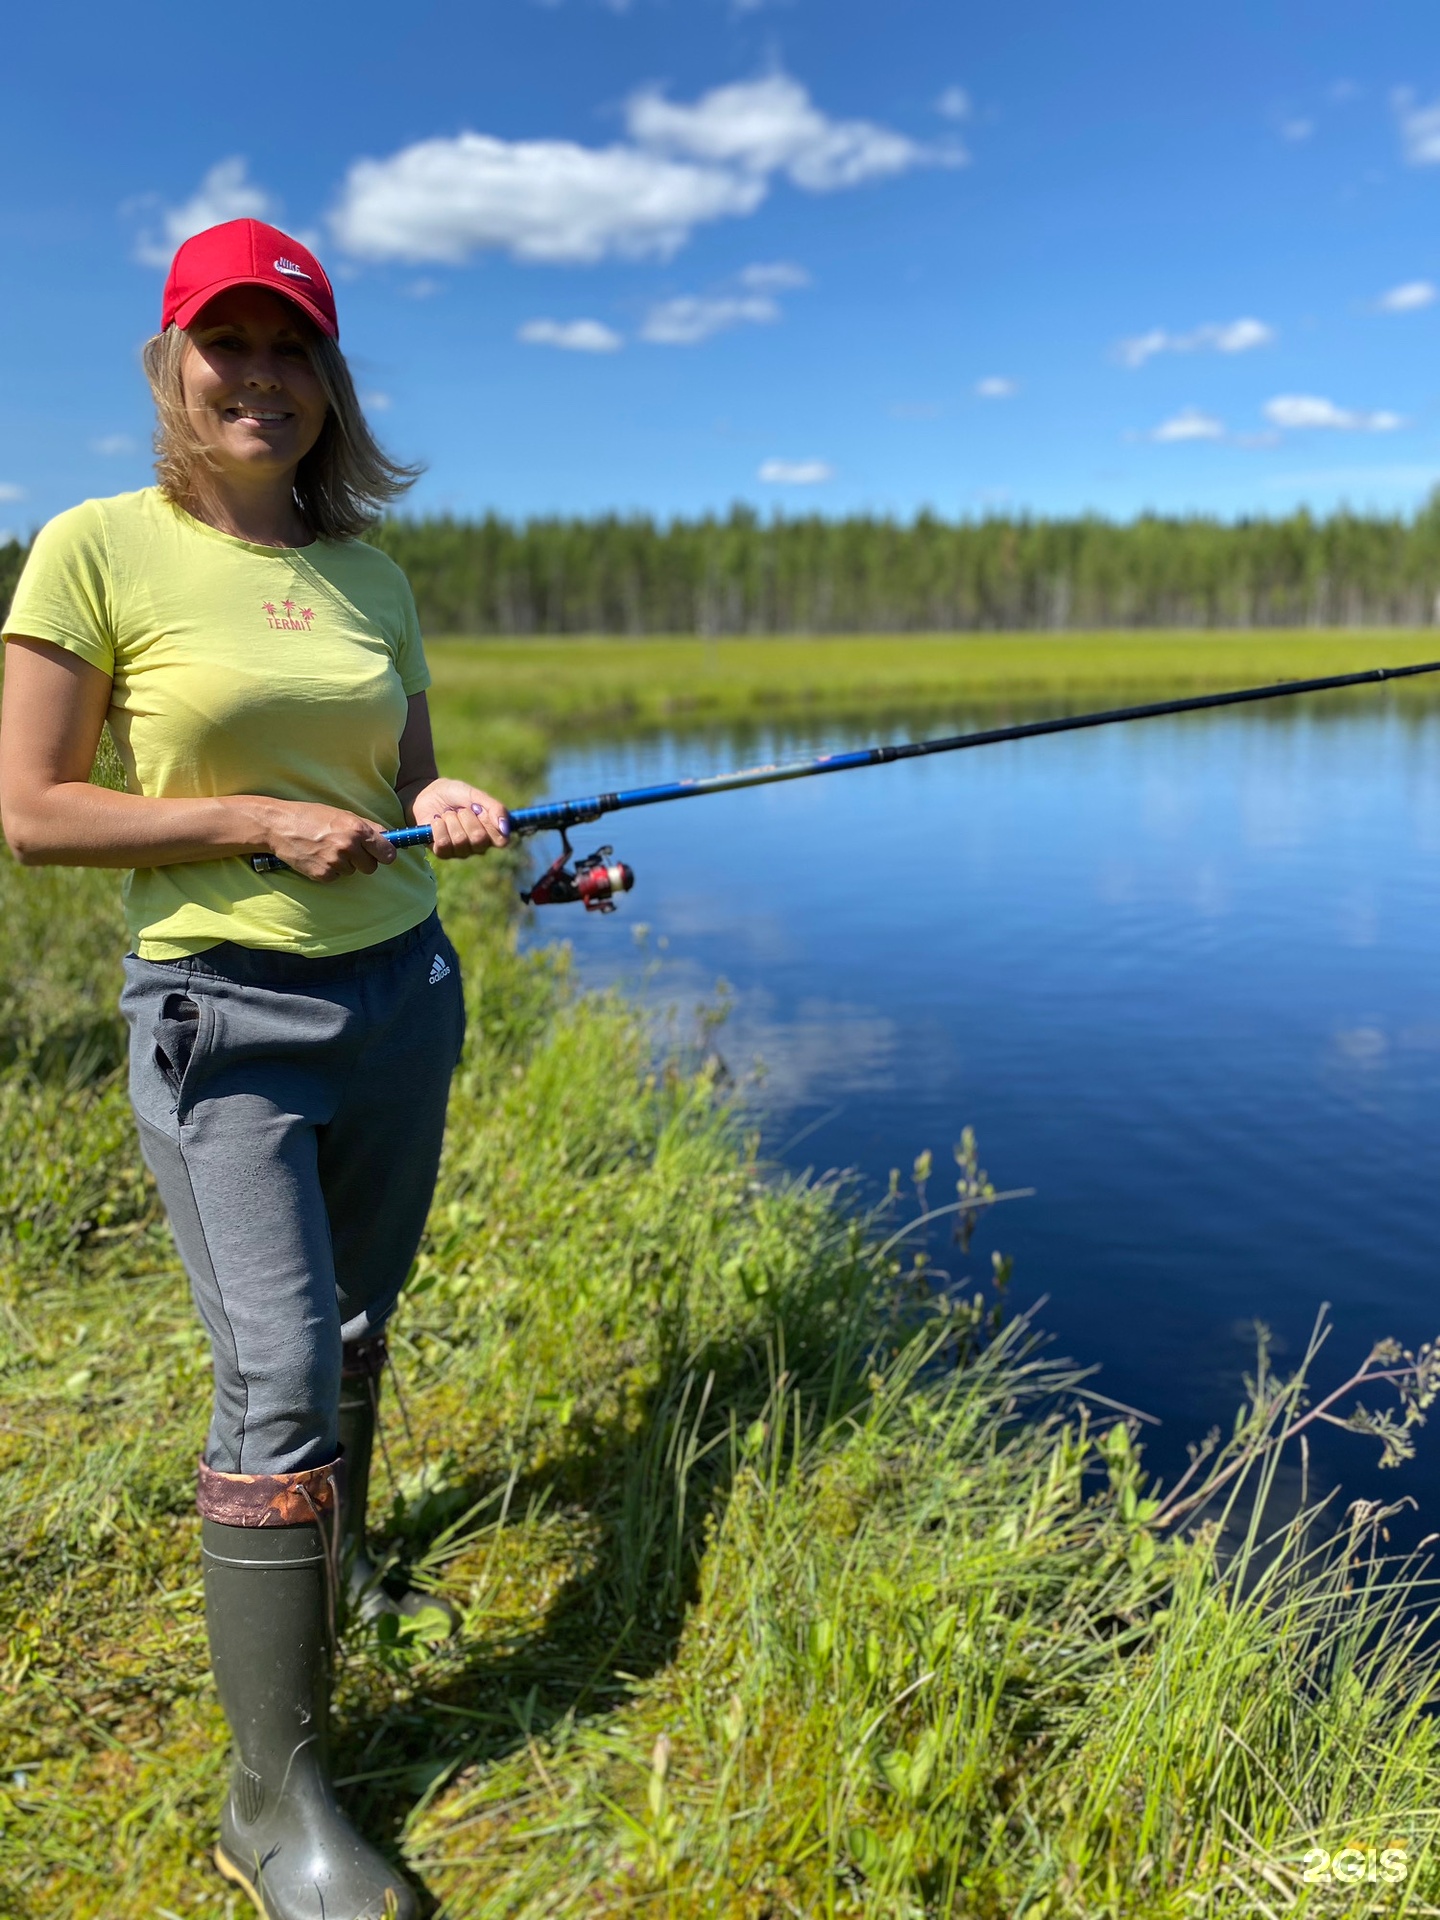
439,970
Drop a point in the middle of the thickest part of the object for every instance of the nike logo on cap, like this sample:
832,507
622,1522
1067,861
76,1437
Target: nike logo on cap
288,266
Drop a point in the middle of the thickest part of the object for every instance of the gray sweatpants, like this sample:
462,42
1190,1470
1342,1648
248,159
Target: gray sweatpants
292,1111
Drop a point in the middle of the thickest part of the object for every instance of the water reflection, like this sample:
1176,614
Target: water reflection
1183,977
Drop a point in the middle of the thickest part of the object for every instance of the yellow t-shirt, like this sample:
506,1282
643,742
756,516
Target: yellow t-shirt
240,669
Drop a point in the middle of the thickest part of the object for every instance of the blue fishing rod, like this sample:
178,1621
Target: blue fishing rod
598,877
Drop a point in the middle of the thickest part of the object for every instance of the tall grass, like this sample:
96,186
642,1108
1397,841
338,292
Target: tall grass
791,1585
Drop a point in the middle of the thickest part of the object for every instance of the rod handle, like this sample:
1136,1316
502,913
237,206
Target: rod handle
397,836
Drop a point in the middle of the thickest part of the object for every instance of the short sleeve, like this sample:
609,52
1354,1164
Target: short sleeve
65,591
410,661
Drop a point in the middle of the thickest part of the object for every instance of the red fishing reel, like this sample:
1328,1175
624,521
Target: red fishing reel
596,880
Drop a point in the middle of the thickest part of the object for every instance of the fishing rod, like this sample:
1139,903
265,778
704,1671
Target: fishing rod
599,876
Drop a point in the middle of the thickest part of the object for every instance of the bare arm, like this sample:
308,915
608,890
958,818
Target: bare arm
462,819
54,708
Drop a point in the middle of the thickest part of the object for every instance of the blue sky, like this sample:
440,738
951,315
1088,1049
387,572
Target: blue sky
811,254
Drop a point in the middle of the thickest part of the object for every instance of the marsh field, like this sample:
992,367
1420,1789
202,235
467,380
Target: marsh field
799,1575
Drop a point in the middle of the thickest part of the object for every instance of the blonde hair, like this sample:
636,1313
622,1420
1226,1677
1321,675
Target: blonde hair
343,484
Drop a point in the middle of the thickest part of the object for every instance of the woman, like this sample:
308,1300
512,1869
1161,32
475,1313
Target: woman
292,1035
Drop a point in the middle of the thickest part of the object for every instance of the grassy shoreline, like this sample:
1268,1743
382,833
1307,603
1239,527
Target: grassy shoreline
790,1586
569,684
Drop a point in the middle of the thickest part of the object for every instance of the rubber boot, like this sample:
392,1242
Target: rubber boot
366,1589
283,1838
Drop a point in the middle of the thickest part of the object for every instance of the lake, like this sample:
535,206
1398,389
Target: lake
1181,976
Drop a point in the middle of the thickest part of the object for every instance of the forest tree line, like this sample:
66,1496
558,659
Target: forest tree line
742,574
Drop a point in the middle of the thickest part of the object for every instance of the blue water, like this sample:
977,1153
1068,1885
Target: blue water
1182,977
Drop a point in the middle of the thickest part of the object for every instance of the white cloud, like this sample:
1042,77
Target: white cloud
954,104
689,319
1296,130
1232,336
1419,128
572,336
224,194
761,127
113,444
541,200
1408,298
795,473
995,386
776,276
1189,424
557,201
9,491
1238,337
1141,347
1301,411
375,402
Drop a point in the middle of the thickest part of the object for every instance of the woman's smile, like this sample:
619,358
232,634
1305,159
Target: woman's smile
251,390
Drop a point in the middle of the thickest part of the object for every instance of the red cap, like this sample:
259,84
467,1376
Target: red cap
247,253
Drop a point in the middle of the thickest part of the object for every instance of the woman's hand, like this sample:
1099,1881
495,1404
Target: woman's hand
324,843
462,819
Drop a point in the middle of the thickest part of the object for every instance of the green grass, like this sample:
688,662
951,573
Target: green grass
788,1587
573,684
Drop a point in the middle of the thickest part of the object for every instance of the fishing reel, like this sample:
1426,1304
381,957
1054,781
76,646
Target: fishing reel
596,880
